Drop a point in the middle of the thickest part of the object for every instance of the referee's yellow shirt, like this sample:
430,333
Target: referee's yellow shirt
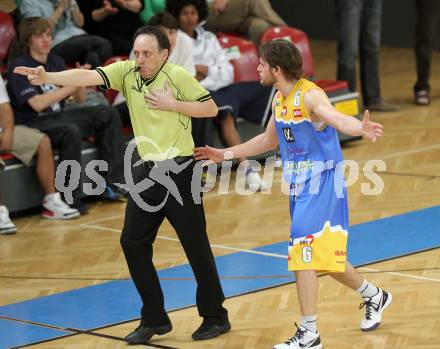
159,134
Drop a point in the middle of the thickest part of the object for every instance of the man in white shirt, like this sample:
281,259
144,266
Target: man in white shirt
181,43
216,73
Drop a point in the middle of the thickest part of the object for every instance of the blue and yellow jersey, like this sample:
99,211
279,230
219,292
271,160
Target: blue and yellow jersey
310,152
303,143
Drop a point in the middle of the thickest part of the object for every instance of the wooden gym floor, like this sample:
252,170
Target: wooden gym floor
48,257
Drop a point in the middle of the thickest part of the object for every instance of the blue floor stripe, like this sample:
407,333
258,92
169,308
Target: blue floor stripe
117,301
386,238
14,333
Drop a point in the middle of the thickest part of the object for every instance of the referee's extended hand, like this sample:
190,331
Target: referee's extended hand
162,99
36,76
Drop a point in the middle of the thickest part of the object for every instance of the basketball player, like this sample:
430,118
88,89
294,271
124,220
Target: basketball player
304,125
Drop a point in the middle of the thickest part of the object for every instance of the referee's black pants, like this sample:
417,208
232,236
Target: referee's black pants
138,235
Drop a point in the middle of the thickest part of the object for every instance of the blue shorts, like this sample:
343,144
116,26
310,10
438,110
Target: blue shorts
318,233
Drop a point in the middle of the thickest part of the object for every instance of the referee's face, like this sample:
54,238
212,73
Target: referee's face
148,55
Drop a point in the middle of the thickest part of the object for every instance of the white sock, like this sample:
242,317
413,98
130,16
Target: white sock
367,290
49,196
309,322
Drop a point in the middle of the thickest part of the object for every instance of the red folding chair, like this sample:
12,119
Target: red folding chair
229,34
111,94
7,35
243,55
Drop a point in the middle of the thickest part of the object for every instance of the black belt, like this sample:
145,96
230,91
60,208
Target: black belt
178,159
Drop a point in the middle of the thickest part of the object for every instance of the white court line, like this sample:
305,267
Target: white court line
102,220
402,275
97,227
405,152
276,255
205,196
212,245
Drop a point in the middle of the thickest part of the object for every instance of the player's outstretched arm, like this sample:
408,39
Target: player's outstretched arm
259,144
319,105
71,77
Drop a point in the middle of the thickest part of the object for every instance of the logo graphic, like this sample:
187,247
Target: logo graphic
308,240
297,113
139,84
159,175
163,173
288,135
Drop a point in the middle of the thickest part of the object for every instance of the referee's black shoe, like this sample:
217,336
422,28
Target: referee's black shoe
208,329
143,333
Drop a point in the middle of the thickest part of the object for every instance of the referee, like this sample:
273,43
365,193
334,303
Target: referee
162,98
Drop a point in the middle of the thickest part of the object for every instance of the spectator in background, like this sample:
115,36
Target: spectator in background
181,43
42,107
428,12
250,17
359,30
216,74
151,8
28,144
213,69
115,20
70,42
8,6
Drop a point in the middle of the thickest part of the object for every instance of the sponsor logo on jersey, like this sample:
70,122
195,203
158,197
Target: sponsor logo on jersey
288,135
297,113
308,240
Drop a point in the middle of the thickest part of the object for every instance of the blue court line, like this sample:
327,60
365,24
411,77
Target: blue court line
386,238
26,332
117,301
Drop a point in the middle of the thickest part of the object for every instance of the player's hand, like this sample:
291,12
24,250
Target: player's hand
213,154
371,130
36,76
161,99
